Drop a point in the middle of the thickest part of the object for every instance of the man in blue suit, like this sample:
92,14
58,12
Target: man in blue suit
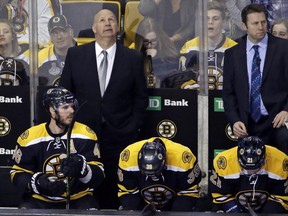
273,65
116,113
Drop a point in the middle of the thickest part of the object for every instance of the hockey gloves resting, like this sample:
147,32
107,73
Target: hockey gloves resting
48,185
74,166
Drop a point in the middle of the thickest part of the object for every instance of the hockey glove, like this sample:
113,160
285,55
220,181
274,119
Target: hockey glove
48,185
74,166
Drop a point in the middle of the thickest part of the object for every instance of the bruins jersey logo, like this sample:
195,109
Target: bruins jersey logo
186,157
125,155
89,130
222,162
253,199
159,195
52,166
215,78
24,135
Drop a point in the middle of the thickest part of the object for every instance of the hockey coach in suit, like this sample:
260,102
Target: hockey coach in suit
273,65
116,111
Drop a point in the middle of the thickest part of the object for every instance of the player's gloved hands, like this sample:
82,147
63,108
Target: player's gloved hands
47,184
74,166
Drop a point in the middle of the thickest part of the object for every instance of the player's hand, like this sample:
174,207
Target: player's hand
280,119
239,129
47,184
152,52
74,166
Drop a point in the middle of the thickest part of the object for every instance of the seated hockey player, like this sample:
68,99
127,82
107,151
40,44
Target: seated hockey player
252,177
44,161
160,173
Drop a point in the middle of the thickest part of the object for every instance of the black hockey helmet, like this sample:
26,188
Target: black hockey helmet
251,152
58,96
152,158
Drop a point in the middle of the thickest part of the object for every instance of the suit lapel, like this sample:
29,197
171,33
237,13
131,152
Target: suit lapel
116,66
92,67
271,49
243,61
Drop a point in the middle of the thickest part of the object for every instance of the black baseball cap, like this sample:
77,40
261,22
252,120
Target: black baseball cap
58,21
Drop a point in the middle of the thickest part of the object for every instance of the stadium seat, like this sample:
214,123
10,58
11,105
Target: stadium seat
132,18
80,14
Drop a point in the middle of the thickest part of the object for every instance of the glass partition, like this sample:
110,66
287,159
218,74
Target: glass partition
182,43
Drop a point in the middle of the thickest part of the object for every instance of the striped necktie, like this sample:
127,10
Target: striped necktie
255,97
102,72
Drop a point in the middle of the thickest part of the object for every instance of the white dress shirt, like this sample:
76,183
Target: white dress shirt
110,56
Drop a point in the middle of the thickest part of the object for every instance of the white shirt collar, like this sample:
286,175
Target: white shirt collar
261,44
111,51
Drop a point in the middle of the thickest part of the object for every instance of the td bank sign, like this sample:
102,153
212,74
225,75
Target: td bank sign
218,105
155,103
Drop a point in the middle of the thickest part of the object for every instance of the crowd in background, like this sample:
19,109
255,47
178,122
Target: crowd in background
173,24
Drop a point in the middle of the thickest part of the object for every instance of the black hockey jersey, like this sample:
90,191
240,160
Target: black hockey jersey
177,186
230,182
38,150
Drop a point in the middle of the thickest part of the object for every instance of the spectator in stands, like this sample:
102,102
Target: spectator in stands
280,28
52,58
116,104
257,105
6,10
251,178
13,67
233,23
277,9
160,173
217,44
176,17
45,10
42,166
160,53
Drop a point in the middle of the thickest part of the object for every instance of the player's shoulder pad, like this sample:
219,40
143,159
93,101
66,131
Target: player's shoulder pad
129,156
276,162
178,155
32,134
226,162
84,131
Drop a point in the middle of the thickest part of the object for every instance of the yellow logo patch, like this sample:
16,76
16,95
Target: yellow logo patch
222,163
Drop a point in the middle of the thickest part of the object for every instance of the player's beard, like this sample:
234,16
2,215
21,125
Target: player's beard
61,123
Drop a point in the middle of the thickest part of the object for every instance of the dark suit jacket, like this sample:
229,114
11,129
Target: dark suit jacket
125,100
274,89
